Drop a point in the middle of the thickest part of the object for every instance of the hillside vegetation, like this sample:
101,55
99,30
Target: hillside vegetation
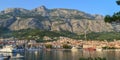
52,23
58,19
36,34
39,34
114,18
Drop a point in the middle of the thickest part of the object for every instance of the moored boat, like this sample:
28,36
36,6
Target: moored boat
98,49
18,56
8,48
74,48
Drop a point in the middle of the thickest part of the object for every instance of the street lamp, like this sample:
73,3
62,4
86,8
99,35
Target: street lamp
118,2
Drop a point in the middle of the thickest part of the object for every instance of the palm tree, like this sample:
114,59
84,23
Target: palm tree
118,2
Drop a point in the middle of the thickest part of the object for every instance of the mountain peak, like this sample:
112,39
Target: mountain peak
59,19
41,9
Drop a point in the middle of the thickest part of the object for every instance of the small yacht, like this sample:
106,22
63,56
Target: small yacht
98,48
74,48
17,56
8,48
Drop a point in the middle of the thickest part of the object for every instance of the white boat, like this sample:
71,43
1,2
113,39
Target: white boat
8,48
4,57
98,49
7,56
17,56
74,49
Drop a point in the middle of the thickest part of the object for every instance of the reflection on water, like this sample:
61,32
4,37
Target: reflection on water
66,55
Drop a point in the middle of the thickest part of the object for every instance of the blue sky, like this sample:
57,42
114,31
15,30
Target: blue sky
103,7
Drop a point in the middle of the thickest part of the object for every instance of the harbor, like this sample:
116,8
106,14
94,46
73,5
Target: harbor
64,48
62,43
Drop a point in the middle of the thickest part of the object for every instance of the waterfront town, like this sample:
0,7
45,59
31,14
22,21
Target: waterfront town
62,43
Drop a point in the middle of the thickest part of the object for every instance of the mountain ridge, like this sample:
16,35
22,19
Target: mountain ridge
58,19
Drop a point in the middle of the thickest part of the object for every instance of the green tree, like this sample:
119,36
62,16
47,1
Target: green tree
108,18
65,46
48,46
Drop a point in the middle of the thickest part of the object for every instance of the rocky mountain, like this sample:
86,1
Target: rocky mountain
58,19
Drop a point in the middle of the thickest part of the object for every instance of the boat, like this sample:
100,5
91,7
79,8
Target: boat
18,56
7,56
8,48
4,57
74,48
98,49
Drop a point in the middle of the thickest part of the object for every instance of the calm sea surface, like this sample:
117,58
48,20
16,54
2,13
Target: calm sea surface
65,55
